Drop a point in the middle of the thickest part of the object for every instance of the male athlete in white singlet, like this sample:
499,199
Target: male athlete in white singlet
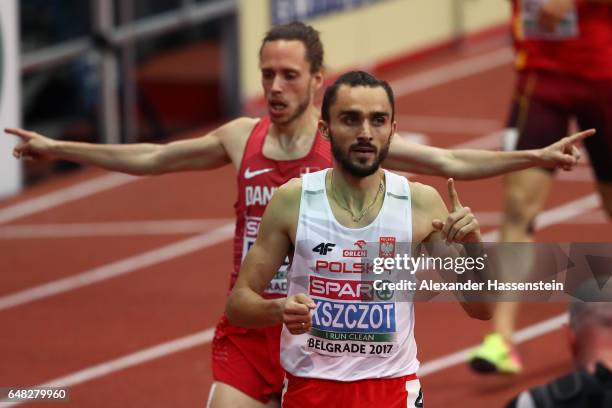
341,348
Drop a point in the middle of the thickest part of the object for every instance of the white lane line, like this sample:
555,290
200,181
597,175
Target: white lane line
540,329
101,229
414,137
118,268
595,217
127,361
521,336
495,218
412,83
444,124
63,196
489,218
558,214
568,210
452,72
491,141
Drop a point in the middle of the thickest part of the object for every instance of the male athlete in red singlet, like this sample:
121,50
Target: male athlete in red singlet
564,67
266,153
258,178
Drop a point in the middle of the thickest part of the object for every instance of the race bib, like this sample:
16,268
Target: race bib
351,319
530,10
278,284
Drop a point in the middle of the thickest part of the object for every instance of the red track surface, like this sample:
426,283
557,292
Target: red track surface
67,332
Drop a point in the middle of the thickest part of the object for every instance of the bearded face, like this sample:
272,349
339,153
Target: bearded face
362,158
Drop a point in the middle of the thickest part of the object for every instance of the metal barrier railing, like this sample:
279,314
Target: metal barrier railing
108,38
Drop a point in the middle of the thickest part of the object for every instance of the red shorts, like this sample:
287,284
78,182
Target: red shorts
380,392
543,104
248,360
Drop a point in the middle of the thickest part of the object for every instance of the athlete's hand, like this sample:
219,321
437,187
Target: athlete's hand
296,313
565,152
552,12
461,225
33,145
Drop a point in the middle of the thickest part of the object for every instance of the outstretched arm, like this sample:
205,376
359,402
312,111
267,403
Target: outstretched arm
467,164
245,305
202,153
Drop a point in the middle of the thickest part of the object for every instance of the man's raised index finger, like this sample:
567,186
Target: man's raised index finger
454,197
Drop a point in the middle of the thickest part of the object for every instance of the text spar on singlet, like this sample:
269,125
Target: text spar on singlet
278,284
347,320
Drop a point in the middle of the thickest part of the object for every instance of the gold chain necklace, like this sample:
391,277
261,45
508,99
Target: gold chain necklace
381,187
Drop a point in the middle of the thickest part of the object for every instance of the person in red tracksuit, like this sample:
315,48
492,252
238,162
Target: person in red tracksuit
564,71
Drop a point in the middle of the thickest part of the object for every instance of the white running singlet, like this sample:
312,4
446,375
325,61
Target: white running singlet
357,332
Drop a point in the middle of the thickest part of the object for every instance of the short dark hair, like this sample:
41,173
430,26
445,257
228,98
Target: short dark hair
354,79
296,30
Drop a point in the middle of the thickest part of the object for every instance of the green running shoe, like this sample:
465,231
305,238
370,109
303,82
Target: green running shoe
495,355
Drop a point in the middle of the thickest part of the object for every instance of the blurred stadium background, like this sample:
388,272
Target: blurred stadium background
113,71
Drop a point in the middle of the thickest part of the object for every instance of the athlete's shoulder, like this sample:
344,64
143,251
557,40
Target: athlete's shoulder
283,208
291,191
420,191
234,135
240,126
425,196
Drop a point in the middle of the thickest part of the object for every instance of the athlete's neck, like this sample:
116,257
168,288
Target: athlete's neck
356,192
291,135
